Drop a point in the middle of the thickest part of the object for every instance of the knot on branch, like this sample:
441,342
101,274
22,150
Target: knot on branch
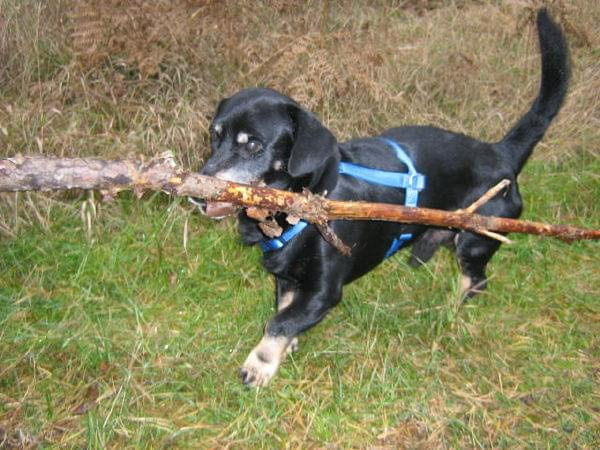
310,206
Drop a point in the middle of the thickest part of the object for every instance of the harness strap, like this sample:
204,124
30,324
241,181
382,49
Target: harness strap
376,176
397,244
413,182
267,245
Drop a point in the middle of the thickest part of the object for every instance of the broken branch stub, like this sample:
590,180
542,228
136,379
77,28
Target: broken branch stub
37,173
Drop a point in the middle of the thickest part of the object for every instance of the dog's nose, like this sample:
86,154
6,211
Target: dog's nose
213,164
208,169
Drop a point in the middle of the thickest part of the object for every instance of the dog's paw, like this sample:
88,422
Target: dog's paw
293,346
469,288
262,362
257,373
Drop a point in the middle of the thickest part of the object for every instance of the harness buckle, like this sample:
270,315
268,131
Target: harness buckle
415,181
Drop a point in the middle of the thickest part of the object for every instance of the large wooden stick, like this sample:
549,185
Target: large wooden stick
162,174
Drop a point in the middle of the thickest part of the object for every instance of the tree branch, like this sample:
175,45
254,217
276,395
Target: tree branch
161,174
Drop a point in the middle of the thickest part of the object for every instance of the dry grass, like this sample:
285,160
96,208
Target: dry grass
404,366
146,77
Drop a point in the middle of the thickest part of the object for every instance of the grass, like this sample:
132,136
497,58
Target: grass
125,328
126,337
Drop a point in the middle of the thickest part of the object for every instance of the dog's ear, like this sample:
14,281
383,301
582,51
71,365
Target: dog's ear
314,146
220,106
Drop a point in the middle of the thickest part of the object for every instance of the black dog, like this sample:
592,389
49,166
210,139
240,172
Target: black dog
259,135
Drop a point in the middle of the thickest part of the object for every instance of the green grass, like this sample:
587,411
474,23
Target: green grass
122,336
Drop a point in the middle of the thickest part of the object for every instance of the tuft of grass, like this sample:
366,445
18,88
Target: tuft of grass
124,323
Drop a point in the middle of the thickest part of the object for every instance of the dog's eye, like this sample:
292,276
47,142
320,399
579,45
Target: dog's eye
253,146
216,130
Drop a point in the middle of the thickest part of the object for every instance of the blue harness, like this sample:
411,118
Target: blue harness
412,181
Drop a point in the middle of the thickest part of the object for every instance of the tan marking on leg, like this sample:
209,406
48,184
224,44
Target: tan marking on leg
263,361
285,300
465,284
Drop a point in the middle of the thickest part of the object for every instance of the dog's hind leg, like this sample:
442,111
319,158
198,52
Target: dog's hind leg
306,310
474,252
427,244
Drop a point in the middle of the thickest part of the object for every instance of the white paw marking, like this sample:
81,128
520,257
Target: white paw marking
263,361
292,347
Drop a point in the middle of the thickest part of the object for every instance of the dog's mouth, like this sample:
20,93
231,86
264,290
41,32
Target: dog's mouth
214,210
219,210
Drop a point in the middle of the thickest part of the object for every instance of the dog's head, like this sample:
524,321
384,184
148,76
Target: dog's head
259,136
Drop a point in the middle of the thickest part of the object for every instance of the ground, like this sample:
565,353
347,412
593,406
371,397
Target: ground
124,323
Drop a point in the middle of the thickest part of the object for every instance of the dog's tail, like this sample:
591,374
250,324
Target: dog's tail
522,138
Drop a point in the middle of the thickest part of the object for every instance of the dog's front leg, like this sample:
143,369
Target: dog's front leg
286,291
307,308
